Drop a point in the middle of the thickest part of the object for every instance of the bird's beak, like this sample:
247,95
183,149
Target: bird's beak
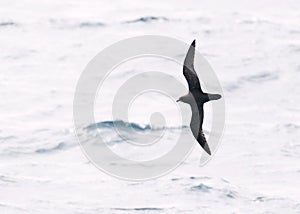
177,100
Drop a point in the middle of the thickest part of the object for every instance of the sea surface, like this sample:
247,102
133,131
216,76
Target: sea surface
254,49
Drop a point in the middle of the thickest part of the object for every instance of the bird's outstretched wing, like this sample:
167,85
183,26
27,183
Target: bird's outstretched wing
189,70
196,126
202,141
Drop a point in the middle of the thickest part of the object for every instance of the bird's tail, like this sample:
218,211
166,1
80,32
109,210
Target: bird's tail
214,96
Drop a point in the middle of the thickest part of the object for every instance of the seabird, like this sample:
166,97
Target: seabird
196,98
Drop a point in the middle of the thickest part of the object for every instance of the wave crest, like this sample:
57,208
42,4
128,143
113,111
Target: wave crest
120,124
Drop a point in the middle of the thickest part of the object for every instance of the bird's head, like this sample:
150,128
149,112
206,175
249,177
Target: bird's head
184,99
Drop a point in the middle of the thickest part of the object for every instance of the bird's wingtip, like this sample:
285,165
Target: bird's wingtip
206,148
194,43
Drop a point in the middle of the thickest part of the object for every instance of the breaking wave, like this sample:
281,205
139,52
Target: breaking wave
120,124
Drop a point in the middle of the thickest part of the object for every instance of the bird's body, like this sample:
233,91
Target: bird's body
196,98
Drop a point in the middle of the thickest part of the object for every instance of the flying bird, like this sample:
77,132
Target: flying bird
196,98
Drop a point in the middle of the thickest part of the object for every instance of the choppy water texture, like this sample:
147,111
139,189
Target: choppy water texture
254,49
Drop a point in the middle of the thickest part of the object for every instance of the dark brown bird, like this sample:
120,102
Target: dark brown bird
196,98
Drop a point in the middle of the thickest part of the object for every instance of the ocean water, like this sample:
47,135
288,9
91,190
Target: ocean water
254,49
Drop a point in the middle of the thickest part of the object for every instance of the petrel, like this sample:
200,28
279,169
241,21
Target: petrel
196,98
